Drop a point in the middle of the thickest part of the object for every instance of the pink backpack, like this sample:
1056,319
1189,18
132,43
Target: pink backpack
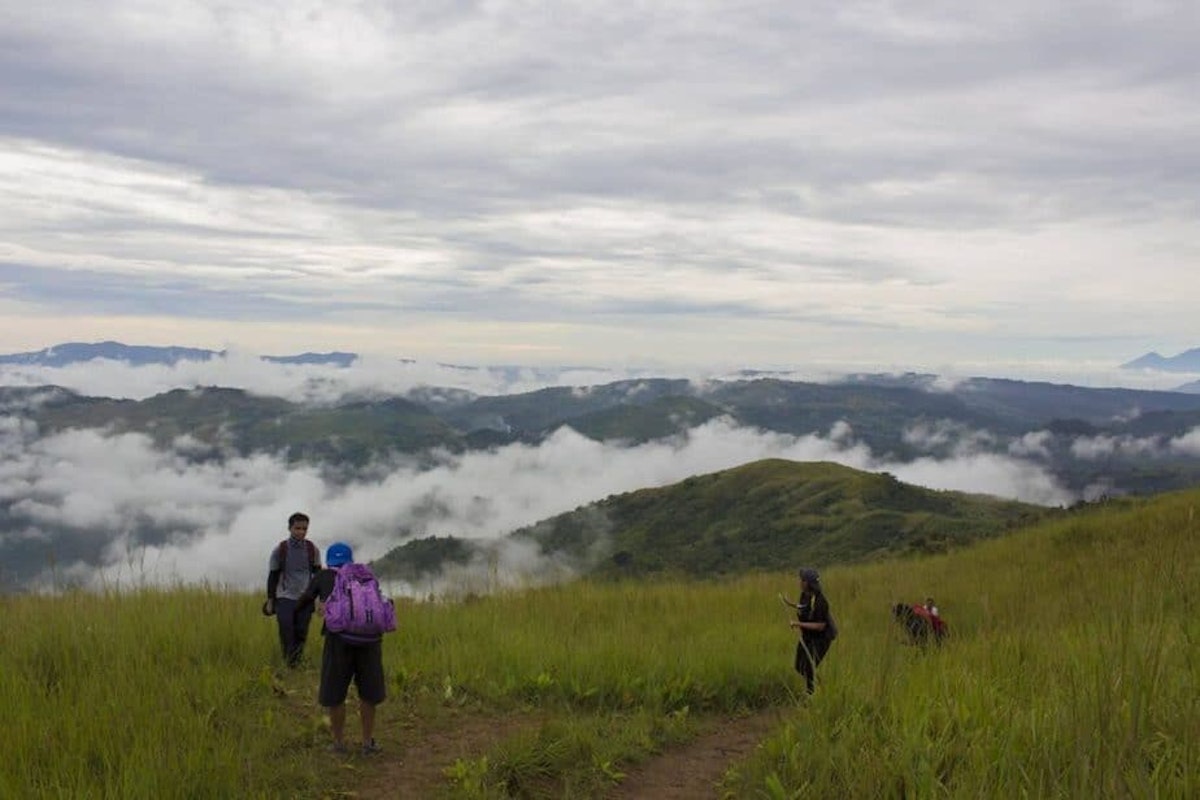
356,607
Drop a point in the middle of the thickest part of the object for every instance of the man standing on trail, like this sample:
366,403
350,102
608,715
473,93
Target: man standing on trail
815,624
346,657
292,564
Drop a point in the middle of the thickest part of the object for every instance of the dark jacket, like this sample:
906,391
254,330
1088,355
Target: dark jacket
813,607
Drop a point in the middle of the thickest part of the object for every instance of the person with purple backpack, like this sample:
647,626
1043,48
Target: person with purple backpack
356,617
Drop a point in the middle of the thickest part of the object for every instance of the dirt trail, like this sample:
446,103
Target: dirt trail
691,771
413,764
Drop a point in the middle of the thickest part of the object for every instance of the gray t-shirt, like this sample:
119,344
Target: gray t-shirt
296,572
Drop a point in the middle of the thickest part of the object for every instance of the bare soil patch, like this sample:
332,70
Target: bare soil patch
417,751
691,770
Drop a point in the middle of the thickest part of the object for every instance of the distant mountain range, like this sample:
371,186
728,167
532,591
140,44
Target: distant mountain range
1187,361
61,355
900,418
1091,442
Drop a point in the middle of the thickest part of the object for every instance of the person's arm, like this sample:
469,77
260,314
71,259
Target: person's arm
309,595
816,618
274,571
819,617
318,587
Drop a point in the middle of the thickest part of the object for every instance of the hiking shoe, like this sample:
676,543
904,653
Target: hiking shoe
371,748
338,748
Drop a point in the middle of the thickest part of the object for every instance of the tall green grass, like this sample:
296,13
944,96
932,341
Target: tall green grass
663,646
1073,671
143,694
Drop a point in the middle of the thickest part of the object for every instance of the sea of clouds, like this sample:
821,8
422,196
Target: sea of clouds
217,519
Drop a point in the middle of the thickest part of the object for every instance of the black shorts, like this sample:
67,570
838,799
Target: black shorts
342,662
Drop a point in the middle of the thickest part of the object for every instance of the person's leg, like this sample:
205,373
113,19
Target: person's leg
372,690
285,617
804,664
336,671
817,648
366,712
301,620
337,724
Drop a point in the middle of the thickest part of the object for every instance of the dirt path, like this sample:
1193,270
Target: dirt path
692,770
417,752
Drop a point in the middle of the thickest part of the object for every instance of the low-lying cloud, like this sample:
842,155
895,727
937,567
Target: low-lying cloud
1094,448
377,375
156,515
322,383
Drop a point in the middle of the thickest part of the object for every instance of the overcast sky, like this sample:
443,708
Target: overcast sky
977,185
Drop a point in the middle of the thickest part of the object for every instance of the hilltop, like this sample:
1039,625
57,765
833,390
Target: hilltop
766,515
1187,361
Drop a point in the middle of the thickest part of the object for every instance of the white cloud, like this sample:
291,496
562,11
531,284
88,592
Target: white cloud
1097,447
982,473
1032,445
1188,444
226,516
947,435
380,375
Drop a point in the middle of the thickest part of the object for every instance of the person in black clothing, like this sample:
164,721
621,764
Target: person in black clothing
346,658
812,621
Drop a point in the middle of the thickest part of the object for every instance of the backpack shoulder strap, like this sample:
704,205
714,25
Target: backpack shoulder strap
314,558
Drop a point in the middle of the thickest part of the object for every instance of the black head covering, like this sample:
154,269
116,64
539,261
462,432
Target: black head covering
812,578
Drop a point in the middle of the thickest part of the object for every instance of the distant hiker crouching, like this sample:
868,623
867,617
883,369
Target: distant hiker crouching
922,624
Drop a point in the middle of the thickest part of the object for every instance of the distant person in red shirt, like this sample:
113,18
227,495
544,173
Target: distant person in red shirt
921,622
939,626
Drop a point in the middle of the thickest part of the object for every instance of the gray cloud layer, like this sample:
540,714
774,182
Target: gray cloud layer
602,181
222,518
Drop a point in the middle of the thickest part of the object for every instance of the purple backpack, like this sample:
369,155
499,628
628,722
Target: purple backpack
356,607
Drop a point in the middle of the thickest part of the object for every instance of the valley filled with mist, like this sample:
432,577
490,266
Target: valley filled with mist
111,475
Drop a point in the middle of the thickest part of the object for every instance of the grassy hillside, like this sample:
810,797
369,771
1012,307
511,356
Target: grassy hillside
1072,672
635,424
351,432
769,514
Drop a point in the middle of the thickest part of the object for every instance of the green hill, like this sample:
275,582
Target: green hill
770,514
